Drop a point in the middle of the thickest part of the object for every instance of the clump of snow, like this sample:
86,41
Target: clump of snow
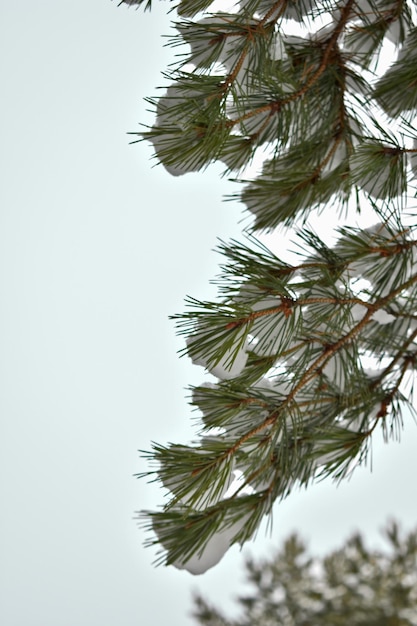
384,181
336,371
358,311
270,329
412,158
382,317
206,499
229,366
169,124
213,551
337,157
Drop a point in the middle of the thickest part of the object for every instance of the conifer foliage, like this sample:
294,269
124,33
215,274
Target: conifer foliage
310,358
353,585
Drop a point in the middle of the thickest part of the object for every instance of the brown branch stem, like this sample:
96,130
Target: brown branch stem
276,105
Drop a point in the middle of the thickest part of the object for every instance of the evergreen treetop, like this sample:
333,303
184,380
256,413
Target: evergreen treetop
353,585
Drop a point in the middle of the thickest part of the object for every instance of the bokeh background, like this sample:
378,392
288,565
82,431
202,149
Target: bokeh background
97,248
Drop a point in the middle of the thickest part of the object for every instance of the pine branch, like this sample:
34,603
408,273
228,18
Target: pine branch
308,420
311,358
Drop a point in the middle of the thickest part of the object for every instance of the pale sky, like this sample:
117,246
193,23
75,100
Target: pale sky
97,249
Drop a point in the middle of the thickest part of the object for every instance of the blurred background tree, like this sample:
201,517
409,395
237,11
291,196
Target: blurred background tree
354,585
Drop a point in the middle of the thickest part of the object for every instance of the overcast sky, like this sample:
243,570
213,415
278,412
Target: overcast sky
97,249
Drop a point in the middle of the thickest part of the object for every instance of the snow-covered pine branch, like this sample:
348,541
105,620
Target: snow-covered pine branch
312,357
